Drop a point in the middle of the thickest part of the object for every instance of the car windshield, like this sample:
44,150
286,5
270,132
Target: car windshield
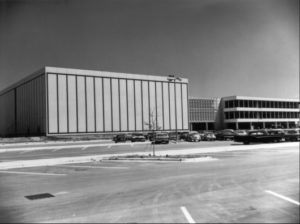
257,133
162,135
292,132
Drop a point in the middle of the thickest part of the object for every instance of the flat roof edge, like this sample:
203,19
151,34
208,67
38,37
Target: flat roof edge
73,71
258,98
25,79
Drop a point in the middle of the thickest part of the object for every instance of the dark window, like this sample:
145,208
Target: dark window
241,114
273,104
236,115
259,104
250,103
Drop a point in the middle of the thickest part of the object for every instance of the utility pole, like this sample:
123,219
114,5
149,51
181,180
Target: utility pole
172,78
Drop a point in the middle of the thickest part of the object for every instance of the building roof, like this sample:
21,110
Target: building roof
84,72
257,98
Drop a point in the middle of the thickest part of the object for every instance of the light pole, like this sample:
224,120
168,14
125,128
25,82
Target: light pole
172,78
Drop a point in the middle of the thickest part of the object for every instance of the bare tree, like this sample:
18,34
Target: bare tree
153,126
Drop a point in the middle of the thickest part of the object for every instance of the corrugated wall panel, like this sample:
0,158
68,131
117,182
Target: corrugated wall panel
178,105
138,106
52,103
72,104
159,105
23,109
107,105
185,106
130,101
145,105
166,106
81,104
123,105
152,108
99,104
7,114
172,107
62,104
90,104
115,104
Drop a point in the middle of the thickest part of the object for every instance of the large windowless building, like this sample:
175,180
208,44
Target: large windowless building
55,101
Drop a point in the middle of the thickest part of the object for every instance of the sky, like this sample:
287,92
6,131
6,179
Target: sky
224,47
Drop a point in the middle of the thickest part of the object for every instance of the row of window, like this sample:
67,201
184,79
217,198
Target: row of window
203,103
201,116
260,115
260,104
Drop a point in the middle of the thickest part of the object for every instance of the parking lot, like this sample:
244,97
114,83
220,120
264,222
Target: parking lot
260,184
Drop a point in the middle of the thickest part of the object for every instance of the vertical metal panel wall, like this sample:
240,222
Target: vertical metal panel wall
22,109
7,113
95,104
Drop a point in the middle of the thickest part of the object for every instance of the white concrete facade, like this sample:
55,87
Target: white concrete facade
244,112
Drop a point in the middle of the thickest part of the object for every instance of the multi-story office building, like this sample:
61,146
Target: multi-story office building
204,113
240,112
56,101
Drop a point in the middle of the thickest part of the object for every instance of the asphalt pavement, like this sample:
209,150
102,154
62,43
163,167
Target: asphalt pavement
259,185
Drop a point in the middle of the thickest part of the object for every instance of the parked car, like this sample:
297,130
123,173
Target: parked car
151,136
120,138
193,137
172,136
183,135
259,136
128,136
162,137
292,135
202,134
209,137
138,137
226,134
241,132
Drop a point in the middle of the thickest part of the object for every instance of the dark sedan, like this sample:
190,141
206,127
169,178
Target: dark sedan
292,135
138,137
227,134
260,136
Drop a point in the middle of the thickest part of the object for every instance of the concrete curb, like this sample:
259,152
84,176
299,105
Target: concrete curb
2,145
91,158
66,146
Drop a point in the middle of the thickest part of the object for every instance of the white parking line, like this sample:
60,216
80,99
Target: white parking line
84,148
187,215
33,173
97,167
54,150
23,152
61,192
283,197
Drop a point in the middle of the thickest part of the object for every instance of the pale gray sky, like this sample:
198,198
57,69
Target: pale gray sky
224,47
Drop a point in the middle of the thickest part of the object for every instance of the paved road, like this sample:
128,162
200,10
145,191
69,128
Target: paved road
241,186
80,149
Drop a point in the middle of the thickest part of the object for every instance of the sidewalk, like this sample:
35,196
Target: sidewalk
93,158
66,145
47,143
